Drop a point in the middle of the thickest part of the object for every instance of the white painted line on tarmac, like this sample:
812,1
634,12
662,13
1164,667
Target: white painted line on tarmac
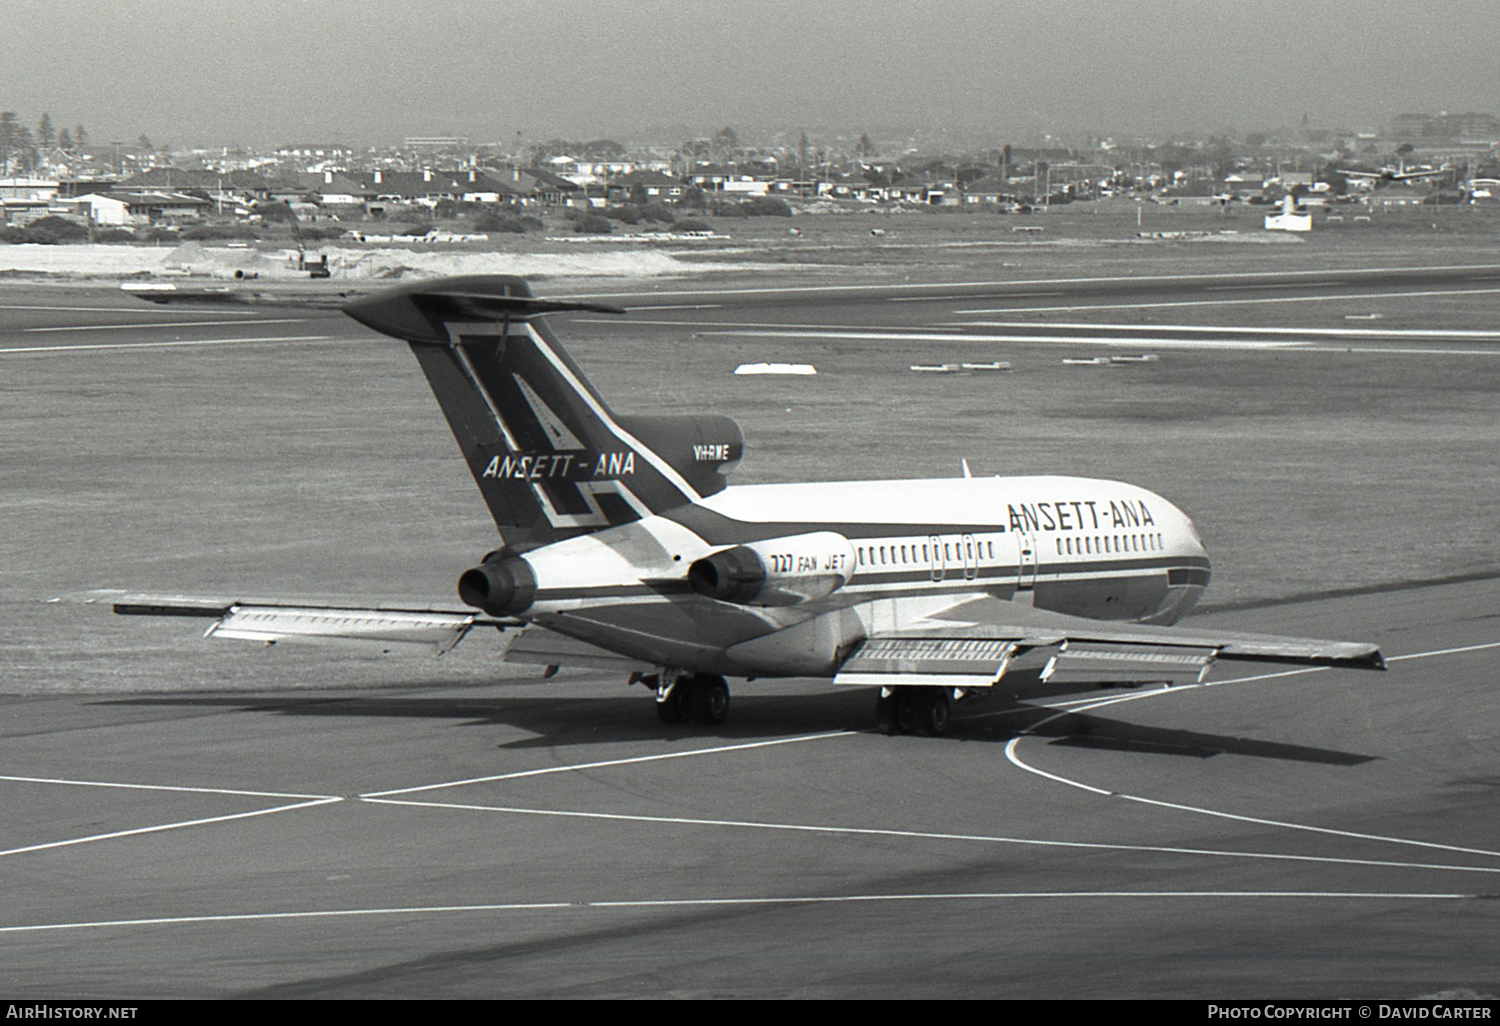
1086,704
1010,754
160,787
925,835
1164,304
169,324
163,345
1286,285
92,309
166,826
1440,652
1354,272
1016,760
792,326
1232,329
1401,352
719,750
809,899
927,335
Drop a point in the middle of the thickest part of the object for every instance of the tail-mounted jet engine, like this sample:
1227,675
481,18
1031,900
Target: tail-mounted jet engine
501,587
778,572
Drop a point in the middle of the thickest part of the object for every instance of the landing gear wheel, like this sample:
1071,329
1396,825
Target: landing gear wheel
934,712
709,699
677,706
906,710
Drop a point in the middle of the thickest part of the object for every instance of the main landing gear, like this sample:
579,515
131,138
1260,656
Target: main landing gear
914,710
680,697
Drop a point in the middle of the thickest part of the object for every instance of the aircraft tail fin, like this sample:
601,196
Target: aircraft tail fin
549,456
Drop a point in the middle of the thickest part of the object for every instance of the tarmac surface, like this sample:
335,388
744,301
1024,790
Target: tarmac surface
1329,834
1302,833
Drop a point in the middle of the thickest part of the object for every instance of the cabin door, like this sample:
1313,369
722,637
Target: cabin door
1026,557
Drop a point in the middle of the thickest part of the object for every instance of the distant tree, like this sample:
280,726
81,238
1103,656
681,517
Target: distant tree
144,142
65,141
592,224
725,142
25,148
695,150
802,151
277,211
766,206
10,125
1404,150
80,137
603,149
865,148
46,135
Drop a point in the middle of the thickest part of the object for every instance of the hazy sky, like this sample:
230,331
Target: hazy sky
274,71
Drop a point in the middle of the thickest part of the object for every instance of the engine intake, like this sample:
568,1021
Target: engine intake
779,572
504,587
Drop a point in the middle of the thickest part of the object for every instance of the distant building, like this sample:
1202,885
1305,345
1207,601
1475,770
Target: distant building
28,188
316,152
139,208
646,187
435,143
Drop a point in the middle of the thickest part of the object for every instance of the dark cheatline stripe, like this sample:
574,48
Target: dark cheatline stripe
718,529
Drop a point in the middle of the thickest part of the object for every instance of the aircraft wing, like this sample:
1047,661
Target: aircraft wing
973,644
272,620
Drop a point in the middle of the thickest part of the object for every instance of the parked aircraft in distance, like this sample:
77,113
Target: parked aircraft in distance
623,547
1399,173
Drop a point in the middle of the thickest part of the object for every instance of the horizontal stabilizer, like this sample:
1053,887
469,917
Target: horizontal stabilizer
941,662
419,311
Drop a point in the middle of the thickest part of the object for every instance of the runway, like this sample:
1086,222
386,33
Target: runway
185,818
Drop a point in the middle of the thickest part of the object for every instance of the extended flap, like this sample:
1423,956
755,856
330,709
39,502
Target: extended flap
941,662
1081,663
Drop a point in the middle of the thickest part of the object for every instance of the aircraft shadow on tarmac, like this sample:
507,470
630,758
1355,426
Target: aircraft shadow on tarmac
564,721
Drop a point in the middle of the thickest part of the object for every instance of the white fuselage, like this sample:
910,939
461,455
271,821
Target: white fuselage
1095,548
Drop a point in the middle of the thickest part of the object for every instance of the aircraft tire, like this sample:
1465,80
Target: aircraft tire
709,699
934,712
885,714
906,710
678,706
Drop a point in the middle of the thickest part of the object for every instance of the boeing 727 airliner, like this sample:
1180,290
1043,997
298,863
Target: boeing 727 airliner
623,547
